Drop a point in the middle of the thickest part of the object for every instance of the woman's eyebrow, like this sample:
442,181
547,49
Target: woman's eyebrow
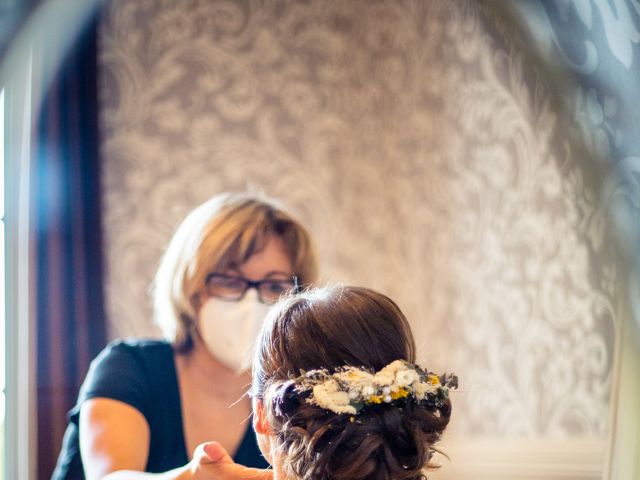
273,273
230,269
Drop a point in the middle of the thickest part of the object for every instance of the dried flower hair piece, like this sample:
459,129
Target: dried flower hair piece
350,389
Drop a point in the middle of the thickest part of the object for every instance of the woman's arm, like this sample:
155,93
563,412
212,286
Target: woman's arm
113,436
114,444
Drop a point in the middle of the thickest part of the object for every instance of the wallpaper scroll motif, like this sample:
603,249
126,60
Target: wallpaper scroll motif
422,151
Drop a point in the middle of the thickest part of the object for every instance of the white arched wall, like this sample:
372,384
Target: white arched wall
426,156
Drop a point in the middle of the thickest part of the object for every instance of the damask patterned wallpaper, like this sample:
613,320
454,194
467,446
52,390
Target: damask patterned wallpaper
422,149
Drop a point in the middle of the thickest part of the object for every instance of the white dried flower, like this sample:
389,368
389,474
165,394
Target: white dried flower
368,391
387,375
354,377
406,377
422,389
327,395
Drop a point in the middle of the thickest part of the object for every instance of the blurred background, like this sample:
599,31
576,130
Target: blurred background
478,161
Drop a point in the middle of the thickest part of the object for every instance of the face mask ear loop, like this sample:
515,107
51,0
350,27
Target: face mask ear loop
258,315
198,299
194,331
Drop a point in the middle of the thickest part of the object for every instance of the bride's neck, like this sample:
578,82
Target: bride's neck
276,463
278,474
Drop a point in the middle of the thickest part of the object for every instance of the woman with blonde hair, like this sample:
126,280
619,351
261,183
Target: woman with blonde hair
147,404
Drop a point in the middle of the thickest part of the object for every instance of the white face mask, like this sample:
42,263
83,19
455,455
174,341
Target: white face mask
230,329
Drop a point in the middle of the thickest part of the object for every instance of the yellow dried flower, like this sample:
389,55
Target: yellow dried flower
434,380
401,393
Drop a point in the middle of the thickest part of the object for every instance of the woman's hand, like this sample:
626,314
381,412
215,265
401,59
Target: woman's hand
212,462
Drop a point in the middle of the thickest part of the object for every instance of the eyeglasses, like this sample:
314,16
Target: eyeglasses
233,287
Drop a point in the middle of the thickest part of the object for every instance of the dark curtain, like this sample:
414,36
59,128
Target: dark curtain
65,197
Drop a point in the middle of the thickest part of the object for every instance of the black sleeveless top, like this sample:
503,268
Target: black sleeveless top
142,374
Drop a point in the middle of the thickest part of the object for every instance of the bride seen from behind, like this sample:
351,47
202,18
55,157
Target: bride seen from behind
337,394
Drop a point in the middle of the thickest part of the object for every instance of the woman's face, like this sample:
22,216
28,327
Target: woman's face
231,314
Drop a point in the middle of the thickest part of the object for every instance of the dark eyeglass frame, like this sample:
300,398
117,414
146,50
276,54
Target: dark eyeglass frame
248,284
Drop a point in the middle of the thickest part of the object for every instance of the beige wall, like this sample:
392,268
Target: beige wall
423,152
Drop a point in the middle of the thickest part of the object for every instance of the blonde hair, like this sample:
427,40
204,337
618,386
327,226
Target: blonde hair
226,230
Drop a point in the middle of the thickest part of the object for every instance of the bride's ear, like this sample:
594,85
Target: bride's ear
262,430
260,424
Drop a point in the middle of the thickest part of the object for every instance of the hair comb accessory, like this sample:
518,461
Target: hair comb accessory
350,389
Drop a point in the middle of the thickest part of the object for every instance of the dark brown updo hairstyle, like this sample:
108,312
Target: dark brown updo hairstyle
329,328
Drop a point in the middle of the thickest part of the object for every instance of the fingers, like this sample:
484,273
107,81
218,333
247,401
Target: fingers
216,453
199,455
221,466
